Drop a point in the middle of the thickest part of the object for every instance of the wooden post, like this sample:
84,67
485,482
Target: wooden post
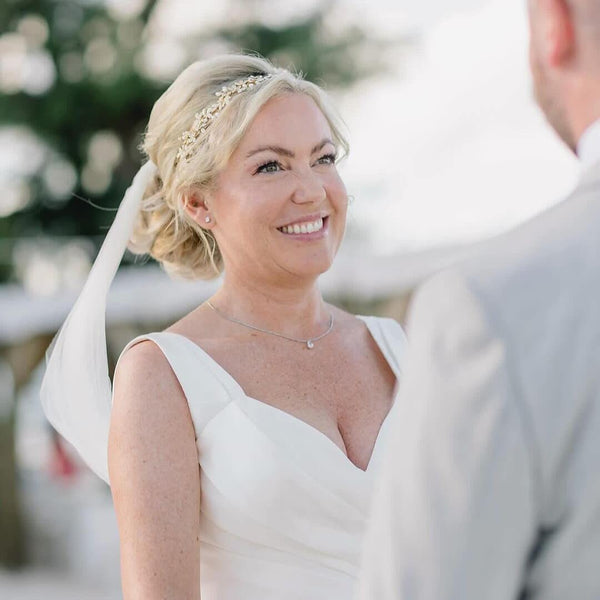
17,362
12,542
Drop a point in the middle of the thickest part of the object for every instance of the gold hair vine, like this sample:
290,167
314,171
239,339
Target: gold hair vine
203,118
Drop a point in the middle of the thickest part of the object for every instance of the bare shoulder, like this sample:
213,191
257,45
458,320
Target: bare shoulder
143,370
345,319
201,326
149,406
351,326
154,476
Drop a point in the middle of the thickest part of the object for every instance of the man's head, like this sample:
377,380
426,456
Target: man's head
564,55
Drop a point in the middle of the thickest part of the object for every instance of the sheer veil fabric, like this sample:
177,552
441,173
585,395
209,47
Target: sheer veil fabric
76,389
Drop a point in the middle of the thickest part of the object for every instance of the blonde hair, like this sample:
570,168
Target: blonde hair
163,228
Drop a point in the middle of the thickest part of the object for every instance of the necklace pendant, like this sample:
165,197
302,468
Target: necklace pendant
310,344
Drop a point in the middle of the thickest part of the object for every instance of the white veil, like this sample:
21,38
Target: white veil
76,390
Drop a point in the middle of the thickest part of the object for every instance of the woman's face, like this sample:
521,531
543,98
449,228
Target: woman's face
279,206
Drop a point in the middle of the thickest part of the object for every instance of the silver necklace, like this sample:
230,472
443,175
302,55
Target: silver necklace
310,342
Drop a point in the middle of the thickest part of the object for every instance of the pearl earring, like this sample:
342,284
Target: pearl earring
207,219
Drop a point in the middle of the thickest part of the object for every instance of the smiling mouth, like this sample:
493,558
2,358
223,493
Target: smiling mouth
307,227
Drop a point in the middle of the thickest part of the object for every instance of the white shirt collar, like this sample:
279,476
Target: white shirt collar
588,147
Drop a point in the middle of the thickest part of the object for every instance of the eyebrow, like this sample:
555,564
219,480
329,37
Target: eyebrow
285,151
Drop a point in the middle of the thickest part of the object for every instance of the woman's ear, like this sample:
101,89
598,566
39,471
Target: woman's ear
197,207
559,32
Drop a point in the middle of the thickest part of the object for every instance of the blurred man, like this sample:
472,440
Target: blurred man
491,486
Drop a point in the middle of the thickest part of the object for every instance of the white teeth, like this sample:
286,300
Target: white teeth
311,227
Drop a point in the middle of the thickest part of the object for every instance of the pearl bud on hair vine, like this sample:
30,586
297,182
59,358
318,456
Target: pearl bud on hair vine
204,118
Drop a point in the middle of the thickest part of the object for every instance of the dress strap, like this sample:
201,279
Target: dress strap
392,341
205,392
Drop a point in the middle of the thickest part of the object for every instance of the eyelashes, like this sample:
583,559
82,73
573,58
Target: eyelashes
330,157
273,166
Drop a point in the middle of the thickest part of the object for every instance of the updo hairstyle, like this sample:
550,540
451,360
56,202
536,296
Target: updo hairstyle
163,228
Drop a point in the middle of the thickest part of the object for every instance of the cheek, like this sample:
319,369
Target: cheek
336,190
533,59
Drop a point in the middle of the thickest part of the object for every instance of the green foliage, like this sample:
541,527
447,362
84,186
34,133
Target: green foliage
74,108
309,47
116,97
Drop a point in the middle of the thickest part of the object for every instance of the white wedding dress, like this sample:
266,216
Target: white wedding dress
283,509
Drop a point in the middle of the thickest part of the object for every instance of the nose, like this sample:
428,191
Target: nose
309,188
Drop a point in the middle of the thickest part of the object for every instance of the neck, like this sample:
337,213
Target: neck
583,107
295,310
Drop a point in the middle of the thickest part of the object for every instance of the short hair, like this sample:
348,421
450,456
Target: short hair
163,228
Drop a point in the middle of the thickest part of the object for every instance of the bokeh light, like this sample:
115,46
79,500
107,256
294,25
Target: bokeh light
59,178
34,28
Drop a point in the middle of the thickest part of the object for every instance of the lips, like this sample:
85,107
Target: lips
311,226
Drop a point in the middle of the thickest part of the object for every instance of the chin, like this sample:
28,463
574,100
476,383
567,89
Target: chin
312,268
550,103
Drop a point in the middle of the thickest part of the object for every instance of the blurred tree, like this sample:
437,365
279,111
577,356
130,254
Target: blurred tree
332,56
74,80
80,89
96,104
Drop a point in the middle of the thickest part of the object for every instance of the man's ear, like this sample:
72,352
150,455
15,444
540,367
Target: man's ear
196,206
557,30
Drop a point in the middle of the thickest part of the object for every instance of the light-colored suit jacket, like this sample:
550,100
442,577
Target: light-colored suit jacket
491,485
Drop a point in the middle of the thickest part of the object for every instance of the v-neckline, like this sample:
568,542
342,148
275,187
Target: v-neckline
317,432
232,382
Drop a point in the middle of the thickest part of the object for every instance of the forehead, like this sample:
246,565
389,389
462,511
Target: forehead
291,119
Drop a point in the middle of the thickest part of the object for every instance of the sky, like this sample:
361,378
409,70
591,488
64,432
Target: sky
453,149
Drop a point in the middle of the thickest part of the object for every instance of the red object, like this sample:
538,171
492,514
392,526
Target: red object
61,465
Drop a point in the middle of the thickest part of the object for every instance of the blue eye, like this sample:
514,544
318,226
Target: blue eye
269,167
327,159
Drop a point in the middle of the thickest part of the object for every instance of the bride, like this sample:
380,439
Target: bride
242,441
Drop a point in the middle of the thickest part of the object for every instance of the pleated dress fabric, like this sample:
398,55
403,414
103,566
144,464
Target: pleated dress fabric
283,510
